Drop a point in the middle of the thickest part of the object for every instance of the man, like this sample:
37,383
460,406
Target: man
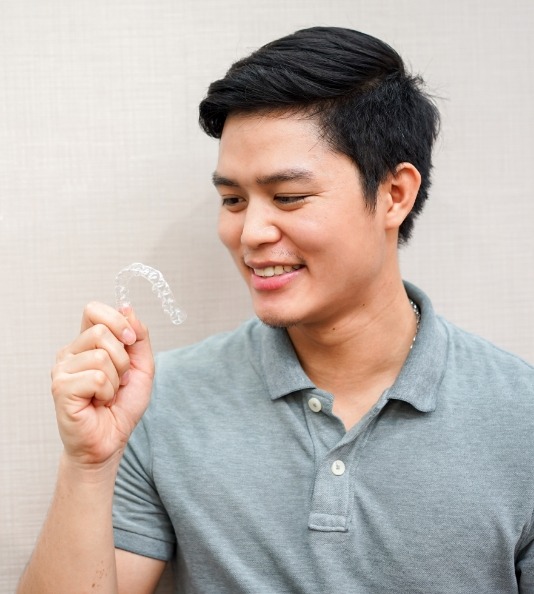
351,440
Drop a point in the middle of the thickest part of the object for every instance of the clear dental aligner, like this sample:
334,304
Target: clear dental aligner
159,286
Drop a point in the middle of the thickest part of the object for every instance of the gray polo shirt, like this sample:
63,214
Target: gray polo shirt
241,474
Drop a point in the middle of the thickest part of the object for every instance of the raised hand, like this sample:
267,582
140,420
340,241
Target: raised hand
101,384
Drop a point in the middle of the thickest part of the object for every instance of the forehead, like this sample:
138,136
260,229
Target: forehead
273,141
255,125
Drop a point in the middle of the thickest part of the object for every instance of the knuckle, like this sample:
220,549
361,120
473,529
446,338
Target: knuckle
100,378
56,371
56,386
99,331
101,357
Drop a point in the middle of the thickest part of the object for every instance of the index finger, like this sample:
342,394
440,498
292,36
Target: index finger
100,313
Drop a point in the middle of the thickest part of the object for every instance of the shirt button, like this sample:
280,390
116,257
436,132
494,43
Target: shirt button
338,468
315,404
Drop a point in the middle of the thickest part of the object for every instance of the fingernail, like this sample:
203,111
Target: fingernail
128,336
125,378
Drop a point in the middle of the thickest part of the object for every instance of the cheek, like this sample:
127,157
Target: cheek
229,230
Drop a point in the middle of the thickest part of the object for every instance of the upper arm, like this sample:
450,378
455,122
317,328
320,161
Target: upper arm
137,574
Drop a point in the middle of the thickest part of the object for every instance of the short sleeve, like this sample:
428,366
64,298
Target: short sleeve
525,564
140,523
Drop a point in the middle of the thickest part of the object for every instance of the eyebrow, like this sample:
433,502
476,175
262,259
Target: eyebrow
293,174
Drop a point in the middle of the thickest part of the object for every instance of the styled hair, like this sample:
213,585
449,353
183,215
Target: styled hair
367,105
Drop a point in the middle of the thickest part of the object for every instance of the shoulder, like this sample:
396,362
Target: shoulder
464,354
209,369
213,350
476,360
481,350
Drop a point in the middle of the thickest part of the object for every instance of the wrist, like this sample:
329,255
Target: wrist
84,472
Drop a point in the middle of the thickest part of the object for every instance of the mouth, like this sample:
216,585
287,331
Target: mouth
275,270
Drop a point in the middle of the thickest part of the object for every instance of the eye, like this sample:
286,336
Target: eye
232,202
290,200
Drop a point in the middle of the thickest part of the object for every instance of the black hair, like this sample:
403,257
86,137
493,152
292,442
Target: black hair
355,85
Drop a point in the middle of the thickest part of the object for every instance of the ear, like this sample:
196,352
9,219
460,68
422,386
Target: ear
400,191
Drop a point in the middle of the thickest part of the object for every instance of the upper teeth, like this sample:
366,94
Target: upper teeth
275,270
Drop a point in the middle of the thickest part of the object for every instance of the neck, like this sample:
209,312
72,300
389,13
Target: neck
362,352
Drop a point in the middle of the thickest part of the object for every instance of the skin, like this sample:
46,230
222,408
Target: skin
287,199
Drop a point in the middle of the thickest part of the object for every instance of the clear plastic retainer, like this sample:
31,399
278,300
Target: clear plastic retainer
160,287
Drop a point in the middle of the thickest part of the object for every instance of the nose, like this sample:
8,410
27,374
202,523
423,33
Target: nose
259,225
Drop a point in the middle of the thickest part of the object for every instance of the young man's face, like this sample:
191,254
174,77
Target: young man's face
294,219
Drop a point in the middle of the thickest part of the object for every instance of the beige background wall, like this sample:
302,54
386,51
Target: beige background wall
102,164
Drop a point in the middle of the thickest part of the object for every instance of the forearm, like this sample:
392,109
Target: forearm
75,551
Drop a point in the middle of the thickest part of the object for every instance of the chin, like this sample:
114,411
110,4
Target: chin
284,313
277,321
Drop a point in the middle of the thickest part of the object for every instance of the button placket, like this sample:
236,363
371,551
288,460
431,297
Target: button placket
333,492
330,511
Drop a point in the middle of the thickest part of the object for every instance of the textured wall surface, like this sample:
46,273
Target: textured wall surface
103,164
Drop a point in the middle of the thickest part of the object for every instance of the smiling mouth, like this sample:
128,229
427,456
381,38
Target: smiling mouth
275,270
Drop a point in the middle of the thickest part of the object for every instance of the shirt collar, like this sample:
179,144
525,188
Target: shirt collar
420,377
417,383
280,365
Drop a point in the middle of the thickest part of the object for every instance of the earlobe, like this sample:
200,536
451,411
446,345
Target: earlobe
402,188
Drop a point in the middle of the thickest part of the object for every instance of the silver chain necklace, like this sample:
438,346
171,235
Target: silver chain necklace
417,313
